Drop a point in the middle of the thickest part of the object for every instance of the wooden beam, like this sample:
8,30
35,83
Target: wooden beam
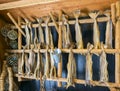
24,3
94,83
81,51
81,21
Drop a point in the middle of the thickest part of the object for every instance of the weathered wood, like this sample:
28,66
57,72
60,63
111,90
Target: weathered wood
13,20
113,13
24,3
82,51
19,47
44,9
60,46
94,83
117,45
81,21
55,24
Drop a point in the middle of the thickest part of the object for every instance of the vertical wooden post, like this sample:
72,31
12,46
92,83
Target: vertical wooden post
113,13
60,46
19,46
117,44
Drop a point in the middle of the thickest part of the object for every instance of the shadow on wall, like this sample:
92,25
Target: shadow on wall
87,32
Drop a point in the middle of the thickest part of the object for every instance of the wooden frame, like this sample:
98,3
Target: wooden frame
115,51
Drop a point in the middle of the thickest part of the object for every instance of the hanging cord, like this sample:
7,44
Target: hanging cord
96,32
71,67
108,39
40,32
89,72
103,66
78,32
67,39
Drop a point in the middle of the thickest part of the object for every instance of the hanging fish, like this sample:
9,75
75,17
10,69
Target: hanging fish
47,31
67,39
88,75
22,62
35,39
27,36
71,67
47,66
40,32
37,69
78,33
96,32
53,68
103,66
108,39
31,60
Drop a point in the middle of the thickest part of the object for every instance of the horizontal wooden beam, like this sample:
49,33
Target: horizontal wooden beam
82,51
81,21
94,83
24,3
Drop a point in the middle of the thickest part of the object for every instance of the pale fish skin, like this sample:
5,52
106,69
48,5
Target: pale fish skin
103,68
96,32
78,35
71,67
108,39
27,36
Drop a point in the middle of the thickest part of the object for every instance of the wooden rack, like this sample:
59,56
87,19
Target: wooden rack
115,51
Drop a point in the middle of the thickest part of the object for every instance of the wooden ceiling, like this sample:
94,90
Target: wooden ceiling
38,10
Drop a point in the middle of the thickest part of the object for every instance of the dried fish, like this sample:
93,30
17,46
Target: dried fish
71,67
27,36
53,68
31,60
67,39
39,66
103,66
47,31
88,75
78,32
108,39
22,62
40,32
35,39
47,66
96,32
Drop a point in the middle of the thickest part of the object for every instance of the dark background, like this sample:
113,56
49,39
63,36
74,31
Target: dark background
87,33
